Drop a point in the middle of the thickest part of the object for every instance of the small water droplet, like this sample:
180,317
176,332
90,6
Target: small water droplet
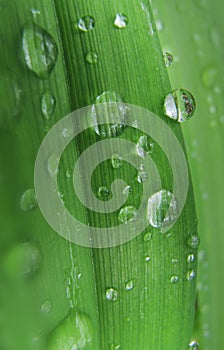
147,259
209,75
127,190
162,209
40,50
28,200
52,165
194,345
130,285
103,192
143,146
120,21
115,347
112,294
168,58
46,307
191,258
75,332
22,260
174,261
174,279
142,176
110,109
92,57
147,237
191,274
10,99
193,241
86,23
48,103
127,213
179,105
116,161
35,13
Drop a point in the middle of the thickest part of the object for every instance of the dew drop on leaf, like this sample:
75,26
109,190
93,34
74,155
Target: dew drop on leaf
40,50
168,59
48,103
75,332
112,294
103,192
28,200
113,110
179,105
193,241
92,57
116,161
162,209
143,146
191,258
127,213
194,345
46,307
130,285
191,274
86,23
147,237
52,165
142,176
120,21
174,279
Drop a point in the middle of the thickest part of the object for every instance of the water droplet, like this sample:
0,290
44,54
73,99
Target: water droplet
66,133
46,307
191,258
92,57
168,59
127,213
10,98
75,332
147,259
116,161
159,25
115,347
39,49
22,260
193,241
112,294
191,274
162,209
35,13
143,146
130,285
193,345
103,192
110,109
48,103
52,165
174,279
174,261
86,23
142,176
147,237
127,190
209,75
28,200
179,105
120,21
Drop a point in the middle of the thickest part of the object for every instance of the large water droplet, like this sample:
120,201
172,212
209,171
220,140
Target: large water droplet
22,260
46,307
130,285
103,192
48,102
74,333
112,294
120,21
10,98
28,200
143,146
168,59
194,345
193,241
179,105
116,161
111,111
92,57
39,49
158,206
127,213
86,23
